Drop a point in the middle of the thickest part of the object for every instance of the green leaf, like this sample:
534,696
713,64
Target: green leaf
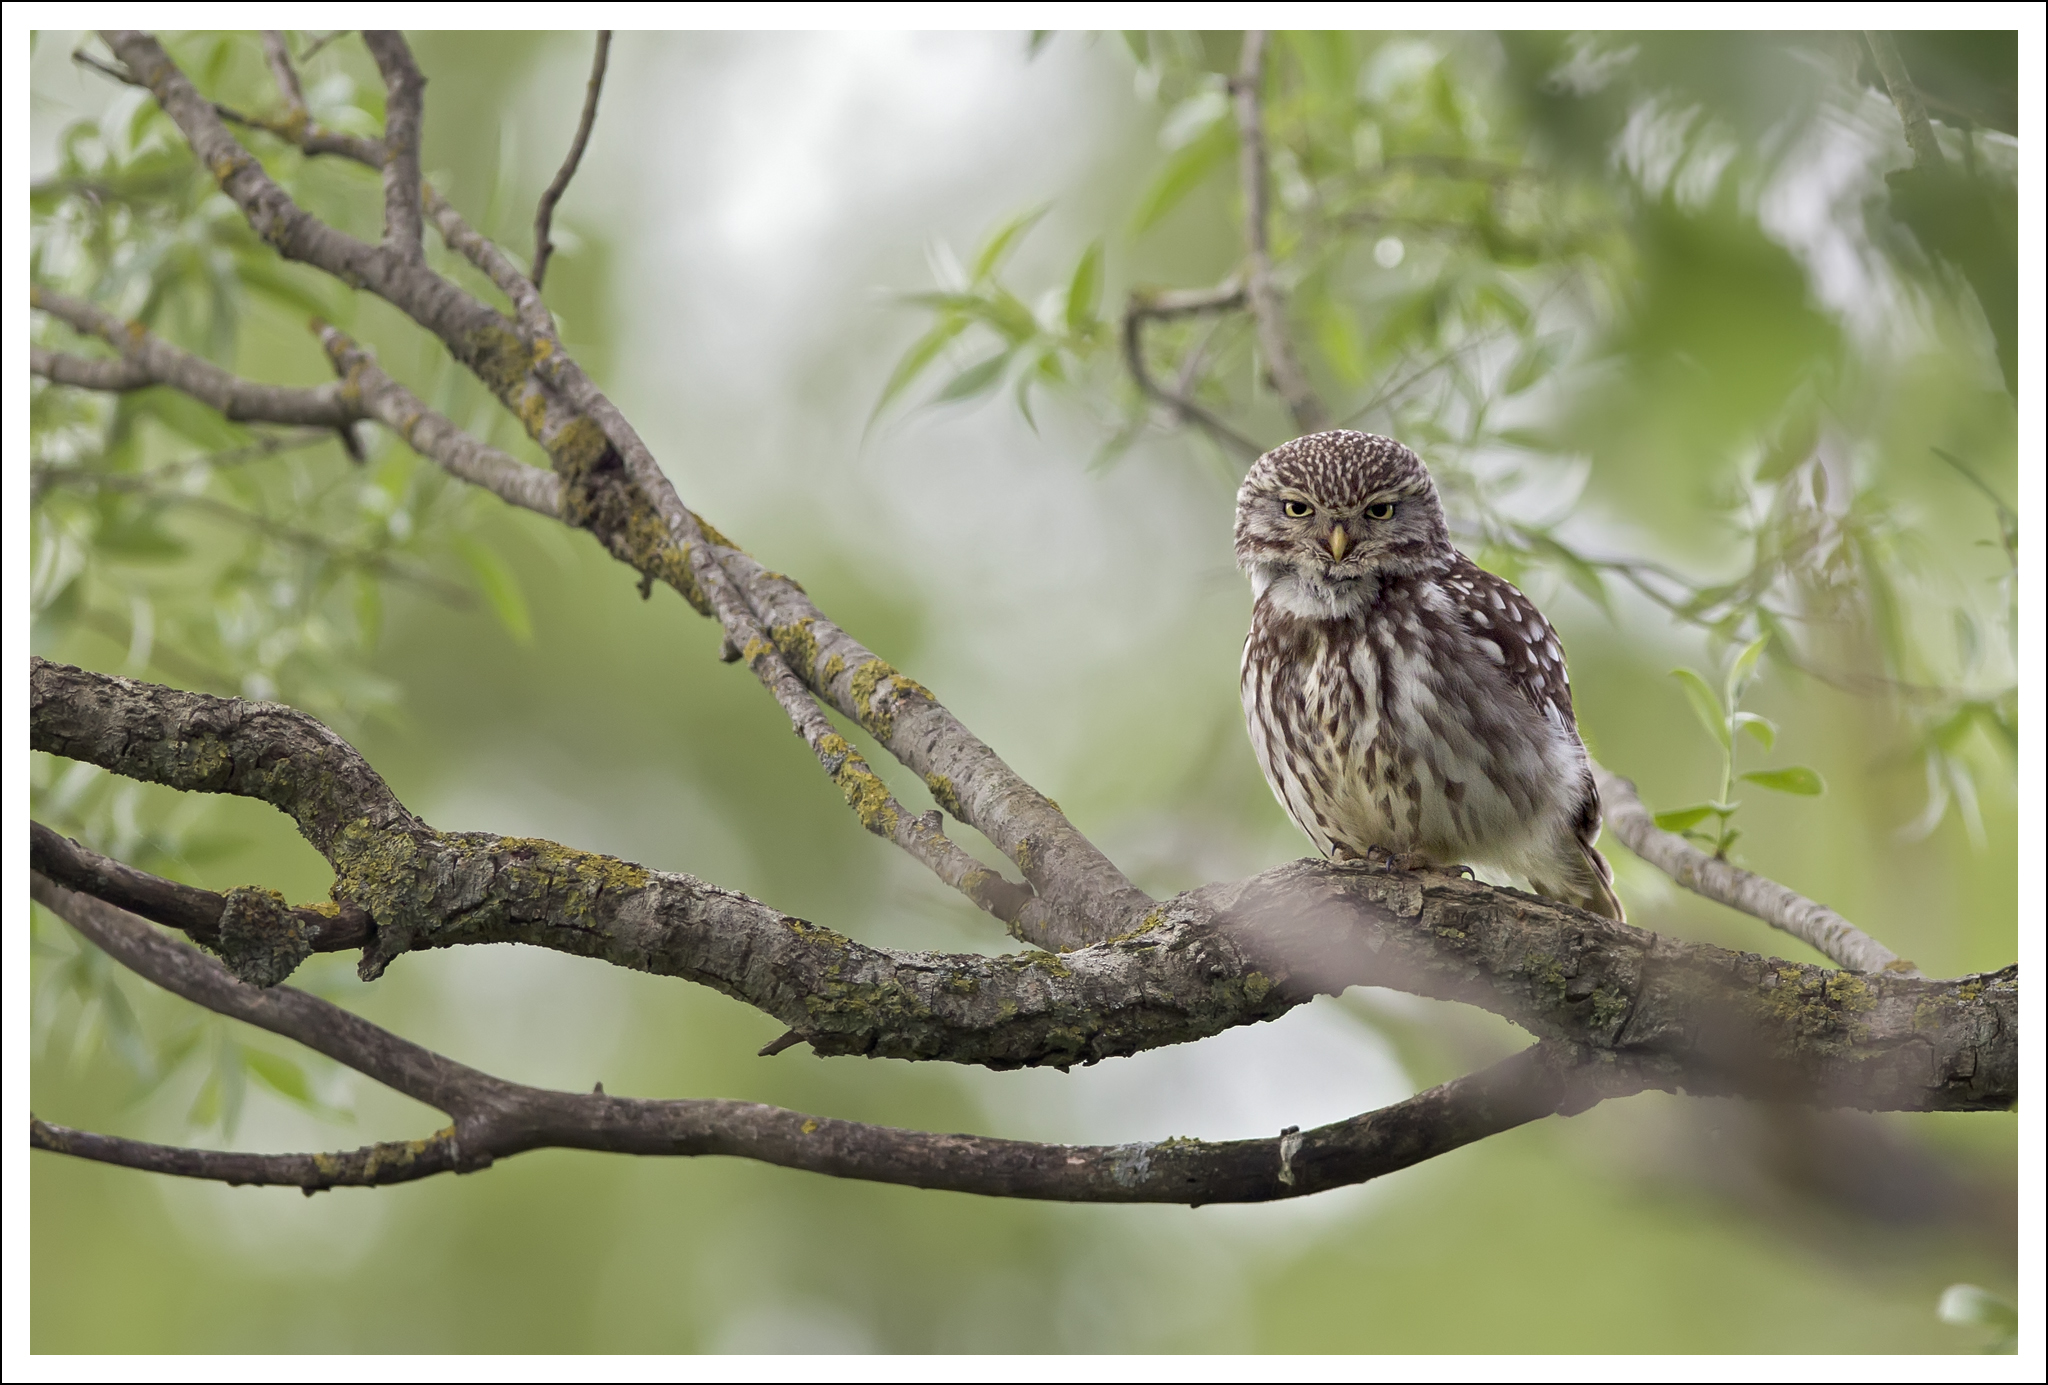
1024,400
1738,673
281,1075
1704,705
1763,729
1679,819
1084,292
998,247
1797,779
976,380
921,353
1184,172
499,587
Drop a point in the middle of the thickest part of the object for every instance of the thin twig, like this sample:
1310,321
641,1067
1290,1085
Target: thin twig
279,56
436,437
545,213
1269,309
147,359
1816,925
1142,309
319,43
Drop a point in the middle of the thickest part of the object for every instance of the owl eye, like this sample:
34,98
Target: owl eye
1298,509
1383,510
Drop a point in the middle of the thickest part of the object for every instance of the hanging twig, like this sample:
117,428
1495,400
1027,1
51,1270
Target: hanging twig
545,213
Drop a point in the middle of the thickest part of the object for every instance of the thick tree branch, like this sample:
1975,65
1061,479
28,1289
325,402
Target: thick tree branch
149,360
204,744
494,1119
405,94
544,214
1816,925
1677,1014
1269,308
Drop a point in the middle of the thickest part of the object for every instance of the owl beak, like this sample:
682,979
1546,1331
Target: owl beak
1339,541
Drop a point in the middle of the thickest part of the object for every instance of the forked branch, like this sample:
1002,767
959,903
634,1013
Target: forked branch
494,1119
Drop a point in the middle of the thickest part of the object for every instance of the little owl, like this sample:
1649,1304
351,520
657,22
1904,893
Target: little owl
1404,702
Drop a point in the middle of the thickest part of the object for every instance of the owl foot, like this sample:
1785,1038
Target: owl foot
1378,858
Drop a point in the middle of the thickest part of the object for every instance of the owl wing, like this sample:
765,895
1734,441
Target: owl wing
1507,625
1513,633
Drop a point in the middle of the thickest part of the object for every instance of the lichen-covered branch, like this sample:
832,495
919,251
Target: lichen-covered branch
149,360
204,744
544,214
1676,1013
1083,896
253,928
1816,925
1269,308
494,1119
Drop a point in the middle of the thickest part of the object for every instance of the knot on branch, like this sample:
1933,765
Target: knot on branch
262,940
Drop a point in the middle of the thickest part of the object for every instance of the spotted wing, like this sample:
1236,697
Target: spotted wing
1514,633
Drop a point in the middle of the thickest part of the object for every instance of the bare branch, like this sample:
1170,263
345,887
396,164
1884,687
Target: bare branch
279,56
1144,308
62,368
325,1028
149,360
376,1165
319,43
195,912
496,1119
1676,1014
1085,895
205,744
1816,925
477,336
1269,309
1905,96
405,93
433,435
545,213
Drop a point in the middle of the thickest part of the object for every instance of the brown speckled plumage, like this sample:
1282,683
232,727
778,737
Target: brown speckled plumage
1398,696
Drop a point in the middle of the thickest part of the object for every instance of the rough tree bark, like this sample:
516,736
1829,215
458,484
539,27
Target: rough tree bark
1613,1009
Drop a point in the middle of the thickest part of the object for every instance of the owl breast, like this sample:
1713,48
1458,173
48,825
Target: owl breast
1393,727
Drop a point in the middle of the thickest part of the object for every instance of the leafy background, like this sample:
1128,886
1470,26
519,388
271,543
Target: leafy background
1690,367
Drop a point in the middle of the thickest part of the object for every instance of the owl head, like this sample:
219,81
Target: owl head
1321,519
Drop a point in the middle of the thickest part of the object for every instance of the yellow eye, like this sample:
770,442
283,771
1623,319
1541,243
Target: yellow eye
1383,510
1299,509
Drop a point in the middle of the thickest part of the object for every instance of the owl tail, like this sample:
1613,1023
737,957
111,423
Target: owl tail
1590,886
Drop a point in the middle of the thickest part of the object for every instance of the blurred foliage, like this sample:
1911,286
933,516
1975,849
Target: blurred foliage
1543,260
1681,357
